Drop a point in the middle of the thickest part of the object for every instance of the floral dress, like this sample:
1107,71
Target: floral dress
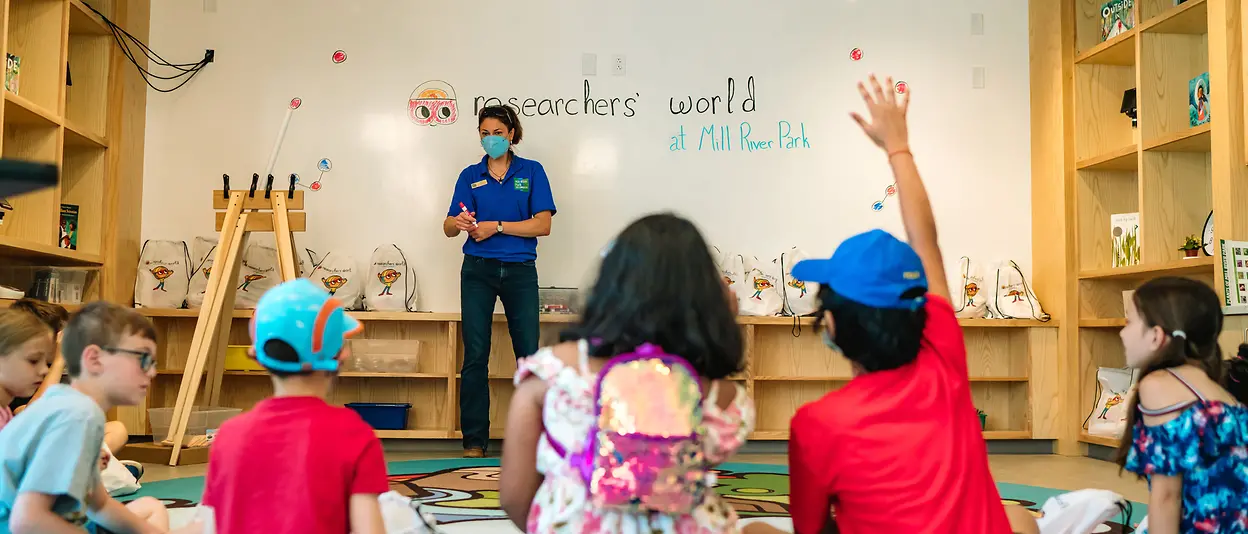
561,504
1207,444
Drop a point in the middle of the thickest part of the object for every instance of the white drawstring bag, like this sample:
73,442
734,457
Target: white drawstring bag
759,293
1012,297
401,515
1113,391
800,297
117,479
164,274
1080,512
971,290
391,281
203,252
257,274
732,268
338,274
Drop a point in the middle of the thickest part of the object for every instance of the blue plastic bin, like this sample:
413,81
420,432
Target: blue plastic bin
382,416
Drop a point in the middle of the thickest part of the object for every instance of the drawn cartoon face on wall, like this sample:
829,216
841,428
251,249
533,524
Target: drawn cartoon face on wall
433,103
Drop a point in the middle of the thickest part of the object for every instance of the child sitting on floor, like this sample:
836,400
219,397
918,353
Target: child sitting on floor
657,286
49,474
1188,435
294,463
26,345
899,448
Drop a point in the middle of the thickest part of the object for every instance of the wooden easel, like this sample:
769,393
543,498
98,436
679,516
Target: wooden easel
279,212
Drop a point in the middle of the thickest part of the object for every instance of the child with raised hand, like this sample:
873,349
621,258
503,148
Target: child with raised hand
294,463
899,448
1188,435
26,346
49,476
658,296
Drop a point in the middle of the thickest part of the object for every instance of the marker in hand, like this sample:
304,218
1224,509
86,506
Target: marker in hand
464,209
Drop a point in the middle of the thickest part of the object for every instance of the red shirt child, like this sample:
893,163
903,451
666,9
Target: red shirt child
293,463
899,450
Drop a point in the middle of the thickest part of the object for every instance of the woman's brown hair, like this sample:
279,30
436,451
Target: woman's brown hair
505,115
1177,304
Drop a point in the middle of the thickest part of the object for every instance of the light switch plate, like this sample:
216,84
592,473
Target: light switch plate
589,64
977,23
979,77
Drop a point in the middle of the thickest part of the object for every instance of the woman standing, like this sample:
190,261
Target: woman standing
504,203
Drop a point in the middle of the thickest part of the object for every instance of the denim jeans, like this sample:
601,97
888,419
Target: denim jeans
481,283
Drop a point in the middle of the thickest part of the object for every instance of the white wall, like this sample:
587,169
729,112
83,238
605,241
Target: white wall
392,179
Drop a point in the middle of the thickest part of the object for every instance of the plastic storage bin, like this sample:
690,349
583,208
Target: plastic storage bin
384,356
382,416
203,419
557,300
236,359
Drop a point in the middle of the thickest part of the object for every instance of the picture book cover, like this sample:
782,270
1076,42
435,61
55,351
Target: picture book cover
1198,100
12,72
1234,272
1125,236
69,227
1117,17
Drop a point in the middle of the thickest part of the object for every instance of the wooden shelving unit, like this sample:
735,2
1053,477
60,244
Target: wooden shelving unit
1164,168
1007,362
59,118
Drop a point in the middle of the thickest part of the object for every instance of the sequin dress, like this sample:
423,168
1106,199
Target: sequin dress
1207,445
561,504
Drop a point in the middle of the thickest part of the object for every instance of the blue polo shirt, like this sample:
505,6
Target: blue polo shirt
524,193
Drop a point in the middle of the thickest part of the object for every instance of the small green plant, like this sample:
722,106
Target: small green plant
1190,243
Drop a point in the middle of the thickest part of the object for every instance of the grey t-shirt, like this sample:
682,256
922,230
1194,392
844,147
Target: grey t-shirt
53,447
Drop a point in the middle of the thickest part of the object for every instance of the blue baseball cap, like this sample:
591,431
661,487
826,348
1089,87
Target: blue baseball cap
872,268
308,319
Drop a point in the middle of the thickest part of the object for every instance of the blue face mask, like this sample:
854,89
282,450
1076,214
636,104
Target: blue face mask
495,145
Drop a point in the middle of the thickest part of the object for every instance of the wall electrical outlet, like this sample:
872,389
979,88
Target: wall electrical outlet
619,65
977,23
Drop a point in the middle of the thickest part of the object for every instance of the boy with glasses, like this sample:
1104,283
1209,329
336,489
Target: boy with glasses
49,476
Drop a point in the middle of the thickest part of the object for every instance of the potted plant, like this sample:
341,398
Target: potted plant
983,419
1191,247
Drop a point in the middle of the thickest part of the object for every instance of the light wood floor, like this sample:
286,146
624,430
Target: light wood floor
1050,471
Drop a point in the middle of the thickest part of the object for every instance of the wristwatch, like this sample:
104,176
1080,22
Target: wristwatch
500,227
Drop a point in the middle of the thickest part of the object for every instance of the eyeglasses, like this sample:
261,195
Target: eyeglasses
147,360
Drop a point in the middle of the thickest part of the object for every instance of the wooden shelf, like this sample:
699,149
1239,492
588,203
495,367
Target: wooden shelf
18,110
848,378
83,21
1007,323
46,254
344,374
5,303
1197,139
76,136
1098,440
1118,51
412,434
1191,17
1196,266
1102,323
1120,159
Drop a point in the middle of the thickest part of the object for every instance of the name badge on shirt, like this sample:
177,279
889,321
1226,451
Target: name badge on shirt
522,184
478,184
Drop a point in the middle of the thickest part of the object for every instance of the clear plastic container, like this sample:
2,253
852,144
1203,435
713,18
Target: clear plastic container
203,419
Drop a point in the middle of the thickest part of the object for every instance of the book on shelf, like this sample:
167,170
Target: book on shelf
69,227
1234,272
1117,17
1198,100
1125,237
12,72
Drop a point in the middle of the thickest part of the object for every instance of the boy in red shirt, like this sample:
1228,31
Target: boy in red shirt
899,448
294,463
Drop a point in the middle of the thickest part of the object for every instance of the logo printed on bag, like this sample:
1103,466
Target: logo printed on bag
800,285
728,280
1018,295
247,280
972,289
761,285
207,270
1113,401
333,282
387,278
161,273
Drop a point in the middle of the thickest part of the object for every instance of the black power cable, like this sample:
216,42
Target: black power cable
124,40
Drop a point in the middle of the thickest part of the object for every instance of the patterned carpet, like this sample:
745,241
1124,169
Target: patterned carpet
463,494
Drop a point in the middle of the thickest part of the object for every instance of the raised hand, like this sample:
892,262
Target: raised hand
887,127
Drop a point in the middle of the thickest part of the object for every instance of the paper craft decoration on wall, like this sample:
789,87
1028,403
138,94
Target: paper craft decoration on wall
338,57
1125,235
433,103
855,54
1198,100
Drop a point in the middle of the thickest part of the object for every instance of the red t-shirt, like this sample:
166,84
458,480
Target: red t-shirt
899,450
291,464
